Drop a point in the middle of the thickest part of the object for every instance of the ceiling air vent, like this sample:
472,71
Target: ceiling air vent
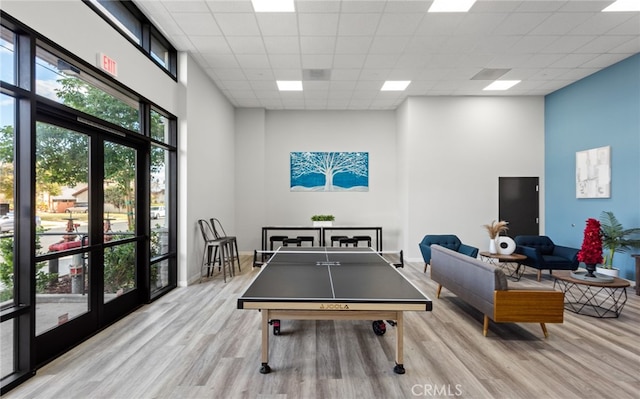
490,73
316,74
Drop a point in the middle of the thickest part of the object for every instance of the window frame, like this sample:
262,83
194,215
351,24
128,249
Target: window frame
148,30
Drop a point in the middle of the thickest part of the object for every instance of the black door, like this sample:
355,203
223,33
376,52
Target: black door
518,204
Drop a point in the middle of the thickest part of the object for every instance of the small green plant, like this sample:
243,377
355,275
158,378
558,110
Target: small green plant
616,238
323,218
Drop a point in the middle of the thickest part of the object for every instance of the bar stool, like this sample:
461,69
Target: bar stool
310,239
219,233
363,238
215,249
348,241
276,238
337,239
287,241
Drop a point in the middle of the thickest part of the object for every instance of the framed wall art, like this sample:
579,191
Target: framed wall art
593,173
329,171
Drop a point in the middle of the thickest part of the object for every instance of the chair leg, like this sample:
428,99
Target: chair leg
438,291
485,325
539,274
425,267
235,245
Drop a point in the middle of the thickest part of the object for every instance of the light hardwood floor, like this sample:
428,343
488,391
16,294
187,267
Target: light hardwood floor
195,343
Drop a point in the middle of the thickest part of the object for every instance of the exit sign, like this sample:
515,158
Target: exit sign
107,64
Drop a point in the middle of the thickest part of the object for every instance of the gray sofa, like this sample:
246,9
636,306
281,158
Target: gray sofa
485,287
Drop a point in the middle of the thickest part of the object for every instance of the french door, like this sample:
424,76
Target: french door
90,259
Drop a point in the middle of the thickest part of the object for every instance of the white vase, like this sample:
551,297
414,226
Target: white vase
608,272
322,223
492,246
506,245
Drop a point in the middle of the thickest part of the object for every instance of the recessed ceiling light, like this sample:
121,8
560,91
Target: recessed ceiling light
623,5
273,6
502,84
289,85
451,5
395,85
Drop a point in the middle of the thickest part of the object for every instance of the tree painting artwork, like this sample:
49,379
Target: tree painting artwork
329,171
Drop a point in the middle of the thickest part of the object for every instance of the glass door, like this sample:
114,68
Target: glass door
89,251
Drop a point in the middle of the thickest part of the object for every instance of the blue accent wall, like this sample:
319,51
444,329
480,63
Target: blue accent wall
600,110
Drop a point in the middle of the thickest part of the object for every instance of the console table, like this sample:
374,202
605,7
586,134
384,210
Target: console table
320,232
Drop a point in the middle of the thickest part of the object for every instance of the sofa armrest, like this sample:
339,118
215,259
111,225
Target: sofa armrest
566,252
468,250
528,306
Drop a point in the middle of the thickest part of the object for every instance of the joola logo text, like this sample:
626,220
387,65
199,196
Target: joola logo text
333,306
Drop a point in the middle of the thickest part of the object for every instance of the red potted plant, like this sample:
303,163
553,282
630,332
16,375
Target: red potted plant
591,251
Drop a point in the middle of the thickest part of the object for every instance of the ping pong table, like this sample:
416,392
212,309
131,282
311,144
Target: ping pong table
306,283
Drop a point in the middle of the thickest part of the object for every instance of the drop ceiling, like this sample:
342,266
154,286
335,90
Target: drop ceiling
343,51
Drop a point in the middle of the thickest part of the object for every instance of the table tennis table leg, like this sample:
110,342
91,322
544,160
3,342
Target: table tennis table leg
399,367
265,369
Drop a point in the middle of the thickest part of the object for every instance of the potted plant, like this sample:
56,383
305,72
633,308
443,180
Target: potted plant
494,229
322,220
591,251
615,238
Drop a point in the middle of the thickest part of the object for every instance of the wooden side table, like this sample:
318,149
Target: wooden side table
637,256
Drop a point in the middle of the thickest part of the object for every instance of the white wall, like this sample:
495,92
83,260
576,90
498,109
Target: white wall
454,149
207,181
250,177
267,179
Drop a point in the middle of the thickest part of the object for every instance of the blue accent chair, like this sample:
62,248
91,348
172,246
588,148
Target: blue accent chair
543,254
449,241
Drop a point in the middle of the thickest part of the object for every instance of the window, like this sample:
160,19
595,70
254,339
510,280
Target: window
65,83
89,184
7,55
125,17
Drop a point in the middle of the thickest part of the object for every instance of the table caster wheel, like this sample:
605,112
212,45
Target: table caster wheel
379,328
399,369
265,369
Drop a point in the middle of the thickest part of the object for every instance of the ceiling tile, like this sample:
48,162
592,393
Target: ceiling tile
278,24
358,24
398,24
246,44
197,24
318,24
210,44
317,44
285,61
238,24
282,44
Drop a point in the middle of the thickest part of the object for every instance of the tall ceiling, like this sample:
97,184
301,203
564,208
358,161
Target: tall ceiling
343,51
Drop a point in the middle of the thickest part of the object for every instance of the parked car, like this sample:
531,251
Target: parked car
157,212
79,207
7,222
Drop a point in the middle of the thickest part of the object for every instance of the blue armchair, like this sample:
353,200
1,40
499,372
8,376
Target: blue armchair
449,241
543,254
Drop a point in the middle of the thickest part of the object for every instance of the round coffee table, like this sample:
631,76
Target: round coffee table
592,298
510,264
